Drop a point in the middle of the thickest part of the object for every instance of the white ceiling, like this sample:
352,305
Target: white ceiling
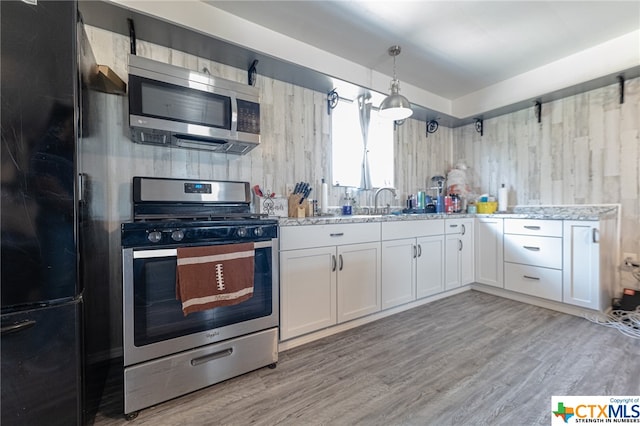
449,48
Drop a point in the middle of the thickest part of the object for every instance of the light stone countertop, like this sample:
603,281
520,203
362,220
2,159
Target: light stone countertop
573,212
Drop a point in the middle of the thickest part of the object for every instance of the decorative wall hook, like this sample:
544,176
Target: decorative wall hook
479,126
432,127
538,111
332,100
132,36
621,88
397,123
251,77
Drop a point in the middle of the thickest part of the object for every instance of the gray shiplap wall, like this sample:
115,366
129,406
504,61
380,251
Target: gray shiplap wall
585,151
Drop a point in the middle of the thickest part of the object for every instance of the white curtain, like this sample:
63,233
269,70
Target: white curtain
364,110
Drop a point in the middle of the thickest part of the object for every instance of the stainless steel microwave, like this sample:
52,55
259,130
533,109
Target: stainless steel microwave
178,107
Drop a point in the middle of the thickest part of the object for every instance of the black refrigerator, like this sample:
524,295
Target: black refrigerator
41,299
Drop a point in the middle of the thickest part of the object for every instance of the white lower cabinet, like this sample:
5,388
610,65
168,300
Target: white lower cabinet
459,253
581,270
323,286
534,280
308,284
533,257
358,277
398,272
412,260
489,251
430,266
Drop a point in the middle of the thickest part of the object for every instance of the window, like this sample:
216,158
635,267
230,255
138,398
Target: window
348,147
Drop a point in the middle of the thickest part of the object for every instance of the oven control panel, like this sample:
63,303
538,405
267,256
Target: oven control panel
142,234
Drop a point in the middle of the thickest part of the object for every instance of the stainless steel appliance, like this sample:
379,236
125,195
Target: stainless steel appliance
168,354
41,296
174,106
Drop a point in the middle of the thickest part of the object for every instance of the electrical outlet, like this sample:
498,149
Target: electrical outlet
289,188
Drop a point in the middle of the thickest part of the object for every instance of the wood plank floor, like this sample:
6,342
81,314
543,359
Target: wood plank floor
470,359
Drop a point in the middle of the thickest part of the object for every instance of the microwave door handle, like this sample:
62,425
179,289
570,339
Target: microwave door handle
234,115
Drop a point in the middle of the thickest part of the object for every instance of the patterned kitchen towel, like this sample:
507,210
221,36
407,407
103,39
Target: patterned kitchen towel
212,276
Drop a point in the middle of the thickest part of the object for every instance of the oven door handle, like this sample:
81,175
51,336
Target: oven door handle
155,253
150,254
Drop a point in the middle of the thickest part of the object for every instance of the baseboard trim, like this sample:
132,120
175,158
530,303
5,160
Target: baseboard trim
532,300
308,338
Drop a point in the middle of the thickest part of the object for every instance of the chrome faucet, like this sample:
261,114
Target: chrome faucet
375,198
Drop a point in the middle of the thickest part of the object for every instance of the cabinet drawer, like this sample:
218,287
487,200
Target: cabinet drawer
306,236
534,281
535,251
548,228
458,226
412,229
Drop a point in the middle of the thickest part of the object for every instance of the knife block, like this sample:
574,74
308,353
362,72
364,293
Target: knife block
296,209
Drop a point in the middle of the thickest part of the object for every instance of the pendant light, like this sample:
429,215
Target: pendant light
395,106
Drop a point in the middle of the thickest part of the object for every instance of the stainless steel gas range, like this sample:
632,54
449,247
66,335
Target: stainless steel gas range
168,352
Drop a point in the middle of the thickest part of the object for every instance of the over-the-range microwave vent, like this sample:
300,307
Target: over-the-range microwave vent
158,137
177,107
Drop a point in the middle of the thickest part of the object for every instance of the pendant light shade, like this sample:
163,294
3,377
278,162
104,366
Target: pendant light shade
395,106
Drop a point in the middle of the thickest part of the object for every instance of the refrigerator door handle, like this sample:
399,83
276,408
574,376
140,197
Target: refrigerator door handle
17,327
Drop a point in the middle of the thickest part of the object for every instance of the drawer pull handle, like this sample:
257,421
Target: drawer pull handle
211,357
419,250
453,226
341,263
415,252
337,234
532,248
533,228
459,245
333,263
463,229
594,236
531,278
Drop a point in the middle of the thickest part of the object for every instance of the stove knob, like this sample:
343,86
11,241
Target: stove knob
241,232
155,236
258,232
177,235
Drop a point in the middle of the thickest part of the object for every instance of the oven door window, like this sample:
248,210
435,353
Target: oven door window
158,314
156,99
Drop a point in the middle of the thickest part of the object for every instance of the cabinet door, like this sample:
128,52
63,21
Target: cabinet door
467,253
308,290
398,272
430,266
358,280
489,251
581,268
452,247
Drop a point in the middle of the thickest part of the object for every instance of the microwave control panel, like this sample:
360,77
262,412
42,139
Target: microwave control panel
248,117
